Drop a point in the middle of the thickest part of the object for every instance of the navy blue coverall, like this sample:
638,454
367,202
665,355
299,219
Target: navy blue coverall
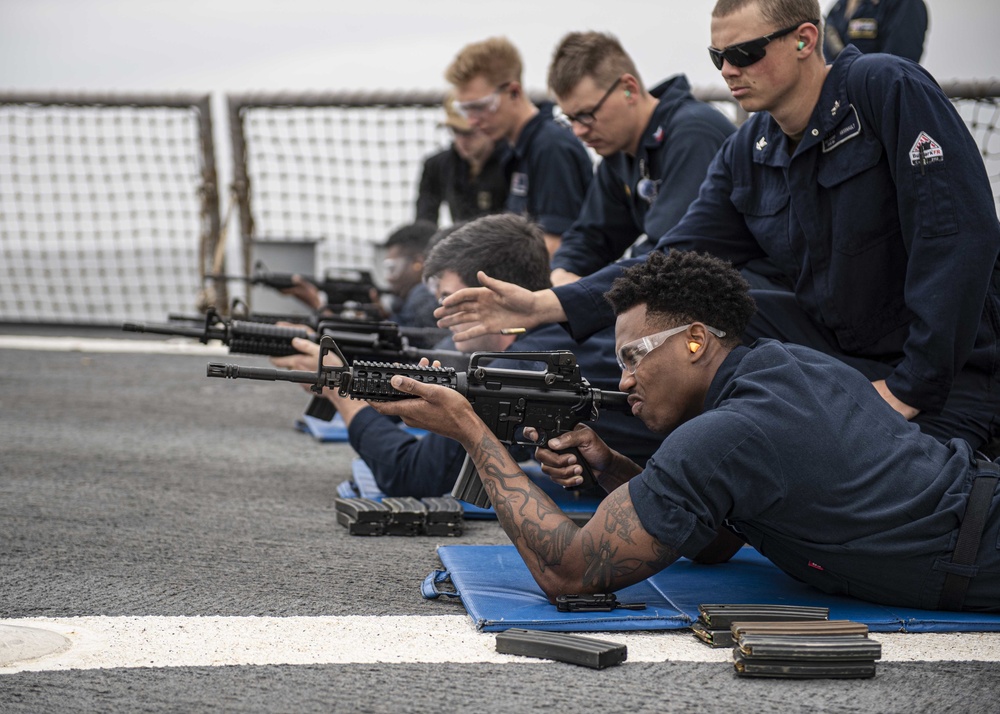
897,27
884,221
549,172
648,193
445,179
800,456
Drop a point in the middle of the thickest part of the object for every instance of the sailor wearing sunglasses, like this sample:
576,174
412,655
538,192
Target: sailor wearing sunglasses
861,184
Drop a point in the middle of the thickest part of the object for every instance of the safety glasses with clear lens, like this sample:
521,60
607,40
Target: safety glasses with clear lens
631,353
485,105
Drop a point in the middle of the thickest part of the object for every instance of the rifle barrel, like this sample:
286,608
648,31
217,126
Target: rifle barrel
615,401
197,333
237,371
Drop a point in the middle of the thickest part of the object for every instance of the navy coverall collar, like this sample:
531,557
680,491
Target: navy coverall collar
724,376
528,133
670,92
831,111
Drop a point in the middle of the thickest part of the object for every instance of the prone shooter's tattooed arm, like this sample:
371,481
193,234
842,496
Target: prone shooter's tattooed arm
610,552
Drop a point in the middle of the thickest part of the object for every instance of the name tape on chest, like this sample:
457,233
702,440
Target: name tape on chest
849,127
519,184
862,28
925,150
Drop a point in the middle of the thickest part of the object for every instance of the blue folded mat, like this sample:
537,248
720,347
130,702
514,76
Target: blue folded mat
362,485
499,593
336,429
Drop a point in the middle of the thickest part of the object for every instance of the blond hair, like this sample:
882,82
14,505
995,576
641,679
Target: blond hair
495,59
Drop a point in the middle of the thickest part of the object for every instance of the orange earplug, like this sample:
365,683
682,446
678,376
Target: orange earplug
693,346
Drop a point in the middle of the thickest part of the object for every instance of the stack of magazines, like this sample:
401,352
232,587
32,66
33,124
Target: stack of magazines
789,641
405,516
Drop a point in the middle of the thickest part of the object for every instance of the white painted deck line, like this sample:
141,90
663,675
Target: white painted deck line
179,346
106,642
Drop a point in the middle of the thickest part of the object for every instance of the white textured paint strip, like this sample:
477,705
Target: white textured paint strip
179,346
105,642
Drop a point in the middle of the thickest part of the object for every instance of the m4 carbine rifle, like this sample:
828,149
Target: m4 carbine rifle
359,339
552,401
258,335
343,286
348,311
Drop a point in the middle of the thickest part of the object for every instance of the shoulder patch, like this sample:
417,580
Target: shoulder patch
925,150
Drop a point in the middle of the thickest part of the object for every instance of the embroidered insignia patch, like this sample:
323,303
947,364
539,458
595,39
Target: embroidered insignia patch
863,28
761,143
647,189
925,150
519,184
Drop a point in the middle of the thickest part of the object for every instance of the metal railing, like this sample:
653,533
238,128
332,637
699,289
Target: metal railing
102,197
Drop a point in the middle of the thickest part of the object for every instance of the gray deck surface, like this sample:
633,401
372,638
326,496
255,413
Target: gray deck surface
132,485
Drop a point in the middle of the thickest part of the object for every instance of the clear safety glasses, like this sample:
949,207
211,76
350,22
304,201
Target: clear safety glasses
485,105
631,353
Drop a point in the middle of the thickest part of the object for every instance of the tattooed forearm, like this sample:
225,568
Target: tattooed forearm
488,448
523,508
613,550
509,483
619,516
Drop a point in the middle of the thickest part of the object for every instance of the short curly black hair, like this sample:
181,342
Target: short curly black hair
683,286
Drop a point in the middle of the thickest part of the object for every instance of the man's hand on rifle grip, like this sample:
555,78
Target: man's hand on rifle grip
564,466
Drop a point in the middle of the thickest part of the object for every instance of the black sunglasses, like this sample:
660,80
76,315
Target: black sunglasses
588,118
744,54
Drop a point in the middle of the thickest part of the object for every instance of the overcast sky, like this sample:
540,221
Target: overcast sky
239,45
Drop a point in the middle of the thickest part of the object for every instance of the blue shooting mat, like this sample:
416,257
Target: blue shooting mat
336,429
362,485
498,592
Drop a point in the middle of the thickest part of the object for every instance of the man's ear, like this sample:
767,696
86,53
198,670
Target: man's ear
631,85
697,338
